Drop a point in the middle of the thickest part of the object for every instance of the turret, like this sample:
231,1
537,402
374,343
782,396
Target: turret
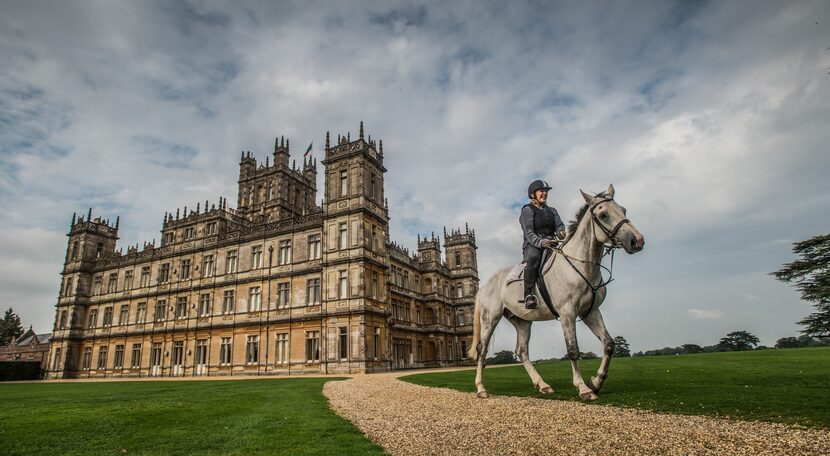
281,154
429,249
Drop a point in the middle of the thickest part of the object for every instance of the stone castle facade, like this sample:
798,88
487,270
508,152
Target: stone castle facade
278,285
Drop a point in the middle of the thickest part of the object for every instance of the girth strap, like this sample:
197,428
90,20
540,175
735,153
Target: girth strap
543,289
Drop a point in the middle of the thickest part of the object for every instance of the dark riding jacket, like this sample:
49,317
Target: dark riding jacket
539,224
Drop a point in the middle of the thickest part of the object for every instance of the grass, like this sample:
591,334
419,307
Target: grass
263,416
787,386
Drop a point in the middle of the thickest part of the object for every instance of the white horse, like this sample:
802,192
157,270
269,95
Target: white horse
574,280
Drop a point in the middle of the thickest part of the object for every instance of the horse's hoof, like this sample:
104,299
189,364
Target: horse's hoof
482,395
546,390
593,385
589,396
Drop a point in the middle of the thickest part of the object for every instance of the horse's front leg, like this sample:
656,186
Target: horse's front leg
569,330
597,325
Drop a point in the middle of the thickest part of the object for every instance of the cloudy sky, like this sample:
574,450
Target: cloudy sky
711,120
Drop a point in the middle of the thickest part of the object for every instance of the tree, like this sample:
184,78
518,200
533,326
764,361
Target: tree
811,276
502,357
788,342
621,348
10,327
738,341
691,348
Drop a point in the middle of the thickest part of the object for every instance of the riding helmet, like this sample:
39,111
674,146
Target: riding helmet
537,185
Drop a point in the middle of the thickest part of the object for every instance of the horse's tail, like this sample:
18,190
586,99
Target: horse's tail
473,351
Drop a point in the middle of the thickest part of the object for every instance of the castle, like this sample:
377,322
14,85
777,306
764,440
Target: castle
278,285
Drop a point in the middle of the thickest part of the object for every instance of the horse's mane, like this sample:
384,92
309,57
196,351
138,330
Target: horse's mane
574,224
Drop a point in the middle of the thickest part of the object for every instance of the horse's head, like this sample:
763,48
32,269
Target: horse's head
610,225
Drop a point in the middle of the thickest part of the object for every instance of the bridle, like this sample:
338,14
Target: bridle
609,248
611,234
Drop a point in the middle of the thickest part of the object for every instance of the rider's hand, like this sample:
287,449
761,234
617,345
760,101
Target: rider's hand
549,243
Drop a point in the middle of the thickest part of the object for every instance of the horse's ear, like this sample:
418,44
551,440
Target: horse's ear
588,198
610,192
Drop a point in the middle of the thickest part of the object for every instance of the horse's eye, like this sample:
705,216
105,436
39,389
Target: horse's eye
603,216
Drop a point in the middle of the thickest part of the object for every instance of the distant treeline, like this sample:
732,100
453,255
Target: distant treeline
785,342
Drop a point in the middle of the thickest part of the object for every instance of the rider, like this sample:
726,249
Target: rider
540,223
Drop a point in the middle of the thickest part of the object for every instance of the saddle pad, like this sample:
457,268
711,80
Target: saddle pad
517,273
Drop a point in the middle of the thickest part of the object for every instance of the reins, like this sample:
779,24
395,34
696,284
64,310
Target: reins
608,249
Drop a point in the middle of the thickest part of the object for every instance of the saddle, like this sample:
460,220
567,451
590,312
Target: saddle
517,274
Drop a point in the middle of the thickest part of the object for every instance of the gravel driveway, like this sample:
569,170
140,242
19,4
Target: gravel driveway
409,419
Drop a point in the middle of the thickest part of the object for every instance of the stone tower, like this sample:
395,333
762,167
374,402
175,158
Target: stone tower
90,240
355,227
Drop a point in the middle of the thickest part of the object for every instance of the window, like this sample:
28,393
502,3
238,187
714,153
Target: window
344,183
228,301
284,252
189,233
461,318
93,318
254,299
343,285
62,324
377,343
252,350
145,276
181,308
135,360
161,310
74,250
87,360
185,270
270,191
118,361
128,280
281,351
178,353
374,240
107,317
463,349
230,266
124,316
312,292
459,291
102,357
210,229
96,285
225,351
458,259
314,247
141,313
169,238
256,257
207,266
99,249
283,295
56,362
155,355
372,183
204,305
406,279
164,273
312,346
112,284
344,343
375,290
341,236
68,290
201,354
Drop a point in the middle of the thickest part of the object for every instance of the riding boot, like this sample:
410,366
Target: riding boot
530,282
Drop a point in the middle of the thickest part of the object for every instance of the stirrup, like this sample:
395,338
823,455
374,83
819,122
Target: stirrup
530,302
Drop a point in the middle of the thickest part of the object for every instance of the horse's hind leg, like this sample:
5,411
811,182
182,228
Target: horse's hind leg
488,324
597,325
522,341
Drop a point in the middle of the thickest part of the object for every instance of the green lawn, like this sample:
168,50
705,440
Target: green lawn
239,417
787,386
